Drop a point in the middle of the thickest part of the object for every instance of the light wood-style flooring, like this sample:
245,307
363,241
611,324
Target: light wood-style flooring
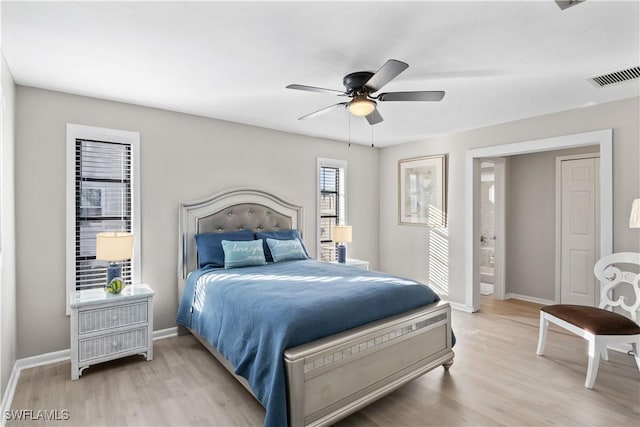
496,380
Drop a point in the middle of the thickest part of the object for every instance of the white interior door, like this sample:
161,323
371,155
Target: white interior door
579,231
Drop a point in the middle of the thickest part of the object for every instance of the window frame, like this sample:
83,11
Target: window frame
75,132
330,163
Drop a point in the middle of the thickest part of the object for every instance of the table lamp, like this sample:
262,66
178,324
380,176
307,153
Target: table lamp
114,247
342,235
634,220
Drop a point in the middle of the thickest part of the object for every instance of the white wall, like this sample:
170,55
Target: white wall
7,228
183,158
409,250
186,157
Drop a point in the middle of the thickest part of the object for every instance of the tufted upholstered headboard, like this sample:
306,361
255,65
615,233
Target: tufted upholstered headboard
231,210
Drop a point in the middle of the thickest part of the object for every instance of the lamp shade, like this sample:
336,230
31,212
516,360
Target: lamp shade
634,220
114,246
342,233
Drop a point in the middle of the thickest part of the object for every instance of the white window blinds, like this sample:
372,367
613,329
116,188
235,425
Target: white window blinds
332,208
103,202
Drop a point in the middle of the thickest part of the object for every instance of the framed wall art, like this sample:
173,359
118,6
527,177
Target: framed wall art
421,191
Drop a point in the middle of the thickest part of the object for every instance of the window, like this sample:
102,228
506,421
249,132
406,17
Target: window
331,204
92,202
102,195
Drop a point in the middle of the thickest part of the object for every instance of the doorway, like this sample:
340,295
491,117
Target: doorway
487,227
492,227
473,158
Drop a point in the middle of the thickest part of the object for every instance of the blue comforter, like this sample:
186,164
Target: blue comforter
252,314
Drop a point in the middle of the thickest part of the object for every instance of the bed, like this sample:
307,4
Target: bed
303,375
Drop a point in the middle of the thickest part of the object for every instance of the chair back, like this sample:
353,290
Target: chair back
611,276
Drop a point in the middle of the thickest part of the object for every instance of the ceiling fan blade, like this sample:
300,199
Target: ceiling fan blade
374,117
389,71
324,110
316,89
433,95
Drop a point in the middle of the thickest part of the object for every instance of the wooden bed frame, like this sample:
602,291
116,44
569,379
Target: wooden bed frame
332,377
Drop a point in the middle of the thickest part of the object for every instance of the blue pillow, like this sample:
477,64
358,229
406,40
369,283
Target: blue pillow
242,253
286,250
209,246
279,235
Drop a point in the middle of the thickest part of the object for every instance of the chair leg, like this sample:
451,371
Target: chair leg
542,338
594,362
604,353
636,348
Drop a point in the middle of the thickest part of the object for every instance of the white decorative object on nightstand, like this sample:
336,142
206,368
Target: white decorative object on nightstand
108,326
354,263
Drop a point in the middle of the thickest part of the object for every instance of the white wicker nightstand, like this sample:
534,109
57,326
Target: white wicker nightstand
355,263
106,327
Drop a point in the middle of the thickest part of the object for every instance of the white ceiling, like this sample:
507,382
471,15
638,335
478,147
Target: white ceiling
497,61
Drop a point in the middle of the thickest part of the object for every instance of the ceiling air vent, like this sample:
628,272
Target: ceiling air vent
563,4
616,77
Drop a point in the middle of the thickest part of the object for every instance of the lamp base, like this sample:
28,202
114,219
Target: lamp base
114,270
114,284
342,253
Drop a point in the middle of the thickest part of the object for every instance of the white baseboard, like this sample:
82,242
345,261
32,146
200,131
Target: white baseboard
165,333
622,348
47,358
461,307
43,359
529,299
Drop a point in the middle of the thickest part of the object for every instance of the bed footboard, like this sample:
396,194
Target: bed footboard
331,378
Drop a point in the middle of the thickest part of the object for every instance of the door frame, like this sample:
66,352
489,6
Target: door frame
558,229
602,138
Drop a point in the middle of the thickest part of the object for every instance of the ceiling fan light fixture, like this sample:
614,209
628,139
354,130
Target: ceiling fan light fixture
361,106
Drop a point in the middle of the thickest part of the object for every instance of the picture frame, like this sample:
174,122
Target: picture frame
421,191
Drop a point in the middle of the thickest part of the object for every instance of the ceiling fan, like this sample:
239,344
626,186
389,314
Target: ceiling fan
362,84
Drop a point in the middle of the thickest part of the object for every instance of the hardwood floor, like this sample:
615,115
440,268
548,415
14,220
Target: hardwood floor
496,379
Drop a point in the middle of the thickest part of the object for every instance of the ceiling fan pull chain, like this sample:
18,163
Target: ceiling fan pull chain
349,121
371,136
